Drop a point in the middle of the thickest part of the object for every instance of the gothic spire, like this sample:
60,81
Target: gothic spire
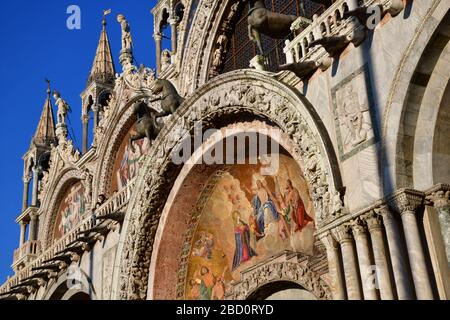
45,132
103,68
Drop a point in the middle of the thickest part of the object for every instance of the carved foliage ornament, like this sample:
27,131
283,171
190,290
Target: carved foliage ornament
281,271
237,93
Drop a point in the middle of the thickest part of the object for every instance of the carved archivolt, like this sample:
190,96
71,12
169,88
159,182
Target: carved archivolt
225,99
198,39
275,272
131,87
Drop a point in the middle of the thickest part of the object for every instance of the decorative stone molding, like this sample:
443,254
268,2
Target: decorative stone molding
199,44
265,274
237,93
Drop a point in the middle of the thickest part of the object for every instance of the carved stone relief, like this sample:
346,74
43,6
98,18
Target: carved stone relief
353,108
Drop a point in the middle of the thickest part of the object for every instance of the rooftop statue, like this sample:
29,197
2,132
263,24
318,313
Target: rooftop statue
263,21
63,108
127,41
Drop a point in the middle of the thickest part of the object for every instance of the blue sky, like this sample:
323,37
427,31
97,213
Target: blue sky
36,44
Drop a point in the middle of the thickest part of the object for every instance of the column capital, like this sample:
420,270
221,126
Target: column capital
328,241
406,201
342,233
385,212
27,178
358,227
85,118
439,196
173,20
36,170
373,220
157,36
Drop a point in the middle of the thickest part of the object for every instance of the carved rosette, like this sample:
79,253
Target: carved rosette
235,94
281,271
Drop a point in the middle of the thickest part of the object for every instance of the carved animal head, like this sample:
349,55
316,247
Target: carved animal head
140,108
158,86
256,4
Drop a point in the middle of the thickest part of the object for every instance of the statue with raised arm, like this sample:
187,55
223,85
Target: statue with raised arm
127,41
63,107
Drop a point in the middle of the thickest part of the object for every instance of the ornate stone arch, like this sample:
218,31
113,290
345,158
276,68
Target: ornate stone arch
58,288
65,179
270,273
434,97
245,93
130,87
397,99
110,143
198,49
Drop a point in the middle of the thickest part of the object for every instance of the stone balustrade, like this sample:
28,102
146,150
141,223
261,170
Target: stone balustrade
116,202
27,252
330,23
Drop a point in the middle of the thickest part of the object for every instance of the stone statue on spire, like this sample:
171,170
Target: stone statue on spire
127,41
63,108
126,54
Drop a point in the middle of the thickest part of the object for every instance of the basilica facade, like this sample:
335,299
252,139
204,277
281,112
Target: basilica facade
347,195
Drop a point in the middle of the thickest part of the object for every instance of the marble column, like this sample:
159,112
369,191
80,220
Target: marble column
364,260
352,282
398,255
32,235
441,201
85,121
173,28
407,204
34,197
26,187
96,109
23,229
374,224
158,39
334,266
